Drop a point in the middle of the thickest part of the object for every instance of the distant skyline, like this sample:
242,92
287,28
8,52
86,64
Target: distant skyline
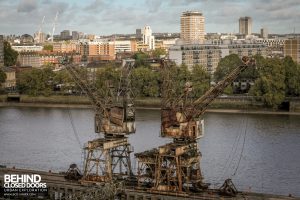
105,17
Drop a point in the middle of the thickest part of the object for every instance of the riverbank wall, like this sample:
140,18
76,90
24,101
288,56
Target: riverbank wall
231,104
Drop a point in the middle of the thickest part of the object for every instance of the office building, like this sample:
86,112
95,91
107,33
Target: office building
75,35
192,27
292,49
264,33
125,46
39,37
138,33
245,25
209,55
65,47
31,59
65,35
148,38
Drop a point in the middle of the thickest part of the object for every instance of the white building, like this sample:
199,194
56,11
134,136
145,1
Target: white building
123,46
148,38
33,48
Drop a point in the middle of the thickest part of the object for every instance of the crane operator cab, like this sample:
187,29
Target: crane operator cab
175,125
121,121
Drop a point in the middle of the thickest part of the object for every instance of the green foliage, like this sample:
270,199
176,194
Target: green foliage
107,77
2,76
200,79
230,62
10,55
48,47
158,52
270,85
226,65
292,77
48,65
145,82
180,76
228,90
140,58
64,79
36,82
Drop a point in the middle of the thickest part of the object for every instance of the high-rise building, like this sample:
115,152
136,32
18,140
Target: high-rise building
245,25
65,35
39,37
292,48
1,51
192,27
75,35
264,33
148,38
138,33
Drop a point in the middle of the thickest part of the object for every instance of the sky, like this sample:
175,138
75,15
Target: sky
105,17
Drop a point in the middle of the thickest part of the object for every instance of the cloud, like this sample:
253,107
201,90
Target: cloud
118,16
95,5
27,5
154,5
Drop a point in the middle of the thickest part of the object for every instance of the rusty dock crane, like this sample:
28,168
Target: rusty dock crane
175,167
108,156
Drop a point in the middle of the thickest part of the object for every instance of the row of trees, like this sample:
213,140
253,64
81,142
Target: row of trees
273,78
145,81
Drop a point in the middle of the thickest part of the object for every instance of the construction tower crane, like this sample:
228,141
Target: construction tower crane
38,35
54,26
108,157
175,167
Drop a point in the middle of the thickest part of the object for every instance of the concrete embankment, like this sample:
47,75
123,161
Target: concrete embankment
219,105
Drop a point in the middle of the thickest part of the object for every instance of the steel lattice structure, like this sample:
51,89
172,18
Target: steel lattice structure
175,167
108,156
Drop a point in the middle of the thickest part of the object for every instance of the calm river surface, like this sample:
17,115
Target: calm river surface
44,138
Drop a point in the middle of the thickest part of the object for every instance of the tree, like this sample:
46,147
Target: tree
48,47
229,63
140,59
292,77
10,55
145,82
107,77
158,52
270,85
36,82
226,65
2,76
64,81
200,79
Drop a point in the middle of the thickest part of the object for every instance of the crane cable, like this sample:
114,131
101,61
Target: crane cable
73,126
243,147
232,151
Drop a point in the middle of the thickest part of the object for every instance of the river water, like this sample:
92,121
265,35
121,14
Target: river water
261,153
